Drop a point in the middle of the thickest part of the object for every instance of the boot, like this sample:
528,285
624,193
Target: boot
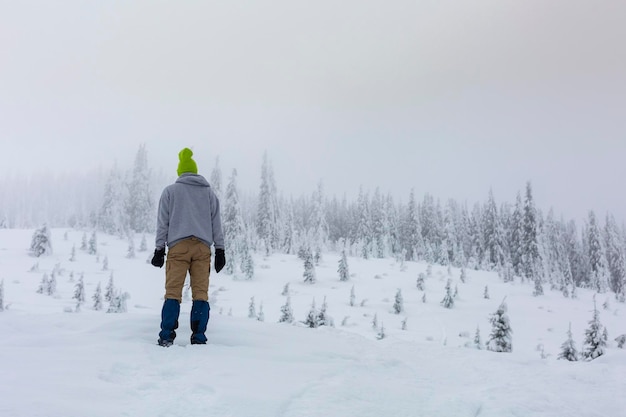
199,319
169,322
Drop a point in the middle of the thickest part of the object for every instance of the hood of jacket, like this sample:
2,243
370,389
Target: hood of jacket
193,179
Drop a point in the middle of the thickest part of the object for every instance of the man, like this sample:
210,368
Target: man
188,223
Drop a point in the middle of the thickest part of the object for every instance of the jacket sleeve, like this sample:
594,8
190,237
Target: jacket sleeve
163,220
216,222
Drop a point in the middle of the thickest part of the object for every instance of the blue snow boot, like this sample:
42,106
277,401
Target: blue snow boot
199,319
169,322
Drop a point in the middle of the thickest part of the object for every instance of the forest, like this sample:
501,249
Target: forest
516,239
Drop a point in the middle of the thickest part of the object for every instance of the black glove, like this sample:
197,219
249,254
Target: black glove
159,257
220,260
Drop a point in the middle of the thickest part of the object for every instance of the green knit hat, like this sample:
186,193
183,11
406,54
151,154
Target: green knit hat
186,164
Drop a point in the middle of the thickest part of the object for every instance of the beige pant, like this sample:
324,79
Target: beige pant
188,255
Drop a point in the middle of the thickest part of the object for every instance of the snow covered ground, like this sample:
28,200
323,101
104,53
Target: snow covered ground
58,362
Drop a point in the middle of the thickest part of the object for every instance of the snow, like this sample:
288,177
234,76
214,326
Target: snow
90,363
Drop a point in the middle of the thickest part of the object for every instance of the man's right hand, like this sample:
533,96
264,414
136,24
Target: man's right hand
159,257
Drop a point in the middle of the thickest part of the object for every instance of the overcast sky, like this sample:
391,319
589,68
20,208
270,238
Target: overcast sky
447,97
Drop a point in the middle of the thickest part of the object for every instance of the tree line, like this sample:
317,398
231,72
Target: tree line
517,239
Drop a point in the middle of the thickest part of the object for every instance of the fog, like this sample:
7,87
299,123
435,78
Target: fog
451,98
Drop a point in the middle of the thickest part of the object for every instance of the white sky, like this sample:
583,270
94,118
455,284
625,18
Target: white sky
444,96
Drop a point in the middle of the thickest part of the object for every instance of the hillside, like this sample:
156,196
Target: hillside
59,362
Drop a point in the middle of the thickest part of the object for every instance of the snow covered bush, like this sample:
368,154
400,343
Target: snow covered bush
500,339
41,243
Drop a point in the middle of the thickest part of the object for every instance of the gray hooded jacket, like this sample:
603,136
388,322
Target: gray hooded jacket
187,208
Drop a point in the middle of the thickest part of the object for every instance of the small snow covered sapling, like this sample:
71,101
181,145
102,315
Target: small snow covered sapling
79,293
477,339
252,309
381,332
343,270
312,318
261,315
595,343
568,348
285,289
352,297
421,277
500,339
486,293
286,312
448,299
110,289
309,269
97,298
398,305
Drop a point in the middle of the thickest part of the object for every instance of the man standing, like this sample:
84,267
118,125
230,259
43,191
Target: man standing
188,223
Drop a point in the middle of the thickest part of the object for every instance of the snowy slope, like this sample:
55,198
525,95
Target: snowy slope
90,363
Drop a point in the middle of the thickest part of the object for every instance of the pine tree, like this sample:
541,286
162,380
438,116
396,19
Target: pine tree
247,263
267,211
44,285
477,339
486,293
398,305
261,315
375,322
538,287
286,312
52,284
594,343
112,218
252,309
463,276
500,339
381,333
79,293
73,255
448,300
421,277
285,289
530,259
216,179
234,228
352,297
568,348
92,249
344,273
110,289
322,318
143,246
118,302
616,256
139,202
412,240
492,235
41,243
403,325
597,258
83,242
312,318
97,298
105,263
130,252
309,269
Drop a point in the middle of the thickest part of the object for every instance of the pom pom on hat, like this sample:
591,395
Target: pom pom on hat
186,163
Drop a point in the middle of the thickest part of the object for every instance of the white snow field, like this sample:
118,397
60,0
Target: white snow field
57,362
